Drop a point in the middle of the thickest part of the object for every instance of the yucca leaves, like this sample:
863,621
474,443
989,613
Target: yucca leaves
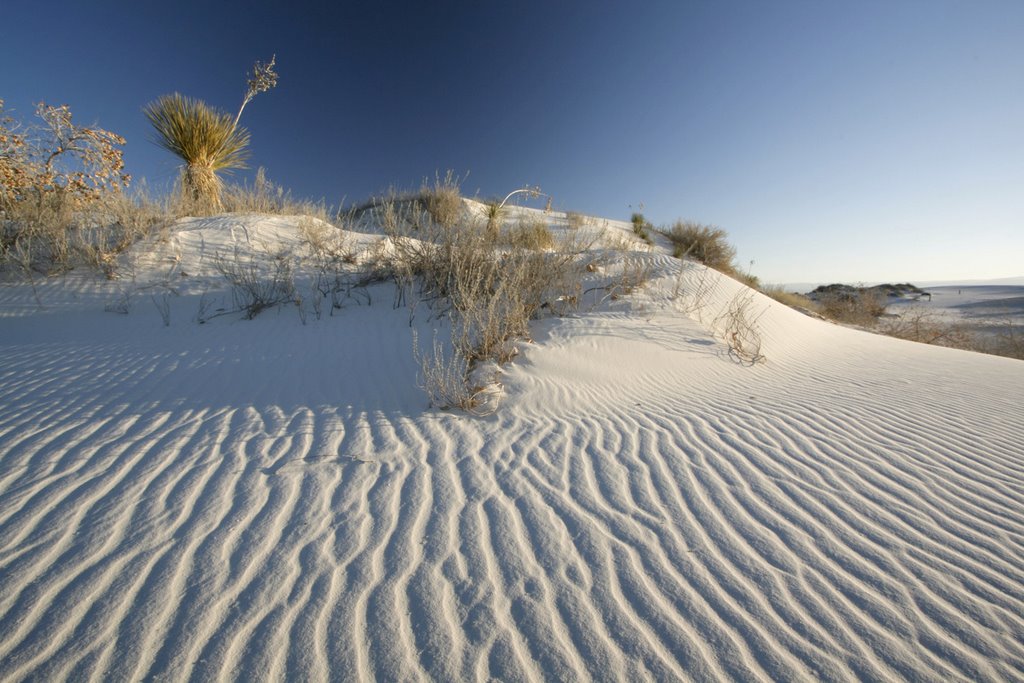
198,133
207,140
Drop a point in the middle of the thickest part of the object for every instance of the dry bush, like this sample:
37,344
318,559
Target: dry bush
920,325
489,289
860,307
642,227
266,197
529,233
704,243
692,288
791,299
737,325
1008,341
325,241
259,281
56,180
442,200
574,220
466,264
445,379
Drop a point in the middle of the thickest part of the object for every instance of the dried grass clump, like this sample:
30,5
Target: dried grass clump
791,299
529,233
704,243
442,200
575,220
642,227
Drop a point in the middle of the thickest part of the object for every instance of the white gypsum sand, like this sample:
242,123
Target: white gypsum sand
267,499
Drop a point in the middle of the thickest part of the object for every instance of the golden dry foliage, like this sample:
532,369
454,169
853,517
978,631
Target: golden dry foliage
58,157
704,243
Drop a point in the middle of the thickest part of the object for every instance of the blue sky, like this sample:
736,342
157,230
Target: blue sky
854,141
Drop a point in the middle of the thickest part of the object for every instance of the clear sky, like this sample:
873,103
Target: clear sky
834,141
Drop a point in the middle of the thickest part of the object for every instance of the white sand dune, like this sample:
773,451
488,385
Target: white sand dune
266,500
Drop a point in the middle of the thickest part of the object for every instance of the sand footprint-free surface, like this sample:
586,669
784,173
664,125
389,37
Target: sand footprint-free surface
266,500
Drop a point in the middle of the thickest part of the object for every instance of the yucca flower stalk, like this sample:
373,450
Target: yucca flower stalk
209,141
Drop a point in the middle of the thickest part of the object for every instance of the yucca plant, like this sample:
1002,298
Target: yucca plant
209,141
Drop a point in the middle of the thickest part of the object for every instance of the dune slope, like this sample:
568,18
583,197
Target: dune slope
270,500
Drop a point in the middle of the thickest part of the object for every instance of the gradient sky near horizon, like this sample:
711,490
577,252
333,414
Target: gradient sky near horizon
835,141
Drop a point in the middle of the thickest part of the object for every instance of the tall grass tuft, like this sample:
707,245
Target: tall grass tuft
704,243
207,140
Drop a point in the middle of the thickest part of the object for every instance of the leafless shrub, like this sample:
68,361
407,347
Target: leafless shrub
325,241
920,325
692,288
259,282
163,307
737,325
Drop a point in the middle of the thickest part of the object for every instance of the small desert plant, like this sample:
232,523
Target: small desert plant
1009,341
575,220
206,139
529,233
737,325
445,379
642,228
209,141
855,306
920,325
442,199
494,212
259,282
704,243
791,299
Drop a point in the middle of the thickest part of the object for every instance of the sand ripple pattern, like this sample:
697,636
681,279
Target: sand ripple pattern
809,519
